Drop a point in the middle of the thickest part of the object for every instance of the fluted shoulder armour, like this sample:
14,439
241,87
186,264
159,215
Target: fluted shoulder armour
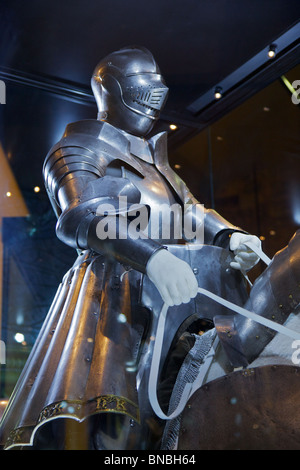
87,147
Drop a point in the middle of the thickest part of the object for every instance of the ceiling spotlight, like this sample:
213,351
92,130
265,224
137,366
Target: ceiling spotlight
36,189
218,92
8,194
173,127
272,51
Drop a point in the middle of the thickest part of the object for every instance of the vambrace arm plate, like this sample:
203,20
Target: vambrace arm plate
217,230
208,226
100,202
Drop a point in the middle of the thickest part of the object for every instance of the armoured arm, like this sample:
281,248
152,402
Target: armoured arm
91,212
217,230
81,192
78,226
207,226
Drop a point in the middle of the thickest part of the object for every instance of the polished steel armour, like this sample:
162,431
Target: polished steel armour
92,357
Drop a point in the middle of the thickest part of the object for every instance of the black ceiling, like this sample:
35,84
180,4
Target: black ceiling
196,43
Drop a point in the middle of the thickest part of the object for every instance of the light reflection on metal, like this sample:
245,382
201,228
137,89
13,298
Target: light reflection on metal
122,318
3,404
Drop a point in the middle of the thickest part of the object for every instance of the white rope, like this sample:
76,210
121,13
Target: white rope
259,252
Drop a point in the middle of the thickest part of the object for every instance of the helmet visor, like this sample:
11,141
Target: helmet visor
144,93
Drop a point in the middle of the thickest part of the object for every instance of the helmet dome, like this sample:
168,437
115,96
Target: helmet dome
129,89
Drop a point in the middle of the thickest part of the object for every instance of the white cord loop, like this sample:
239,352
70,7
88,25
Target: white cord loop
190,388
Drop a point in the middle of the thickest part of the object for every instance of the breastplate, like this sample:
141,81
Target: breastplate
163,209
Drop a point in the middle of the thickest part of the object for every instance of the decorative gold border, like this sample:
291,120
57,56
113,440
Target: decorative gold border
81,410
75,409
